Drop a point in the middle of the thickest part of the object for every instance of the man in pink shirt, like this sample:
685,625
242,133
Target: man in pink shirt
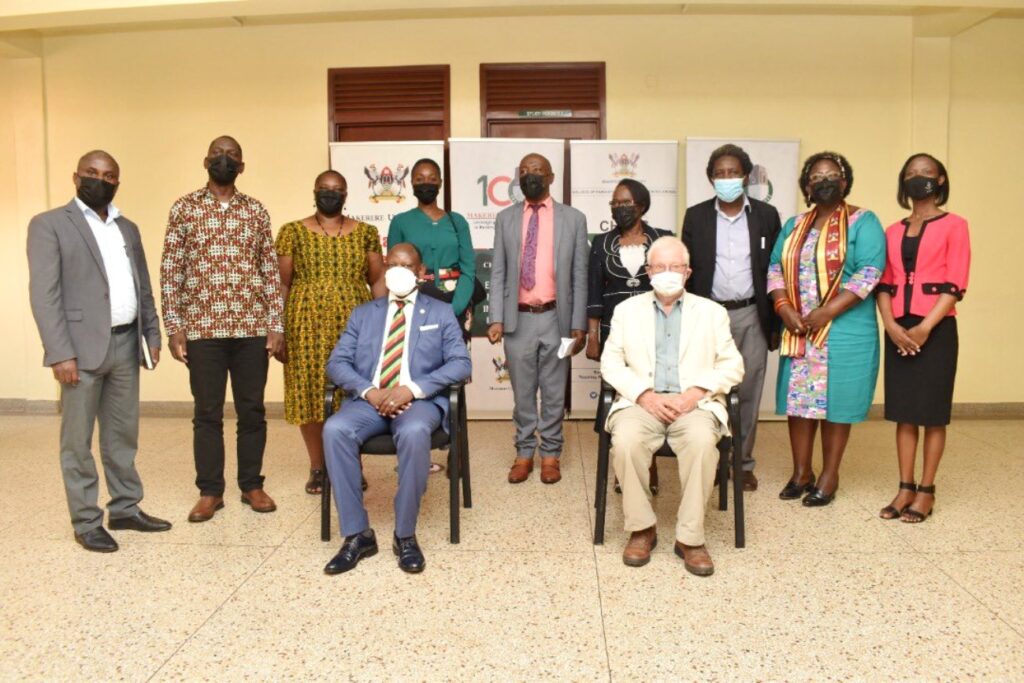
538,297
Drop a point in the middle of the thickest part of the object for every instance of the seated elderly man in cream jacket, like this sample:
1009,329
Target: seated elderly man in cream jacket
672,360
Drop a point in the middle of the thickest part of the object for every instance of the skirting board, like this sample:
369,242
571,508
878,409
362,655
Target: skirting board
275,409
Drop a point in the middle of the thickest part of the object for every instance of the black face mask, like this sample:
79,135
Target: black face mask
329,202
532,185
920,186
426,192
223,170
95,193
826,192
625,216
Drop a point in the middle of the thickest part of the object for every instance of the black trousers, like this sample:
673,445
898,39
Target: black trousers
210,361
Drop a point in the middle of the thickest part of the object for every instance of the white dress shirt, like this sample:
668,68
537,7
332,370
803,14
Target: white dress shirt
124,305
404,379
734,275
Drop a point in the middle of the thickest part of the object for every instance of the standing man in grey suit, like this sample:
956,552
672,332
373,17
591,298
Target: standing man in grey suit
93,305
538,296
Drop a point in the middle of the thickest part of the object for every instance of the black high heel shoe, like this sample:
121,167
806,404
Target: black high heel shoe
889,512
912,516
793,490
818,498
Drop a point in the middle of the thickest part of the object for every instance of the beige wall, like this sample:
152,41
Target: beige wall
156,98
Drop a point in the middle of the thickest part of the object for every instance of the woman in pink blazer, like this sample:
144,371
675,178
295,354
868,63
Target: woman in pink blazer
928,256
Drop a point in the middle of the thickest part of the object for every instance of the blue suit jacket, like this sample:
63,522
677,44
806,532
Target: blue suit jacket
434,343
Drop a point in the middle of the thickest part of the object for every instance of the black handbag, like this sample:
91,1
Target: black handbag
433,291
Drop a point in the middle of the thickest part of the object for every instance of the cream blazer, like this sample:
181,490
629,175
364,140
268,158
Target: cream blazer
708,357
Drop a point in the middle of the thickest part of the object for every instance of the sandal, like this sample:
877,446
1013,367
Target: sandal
890,512
912,516
315,485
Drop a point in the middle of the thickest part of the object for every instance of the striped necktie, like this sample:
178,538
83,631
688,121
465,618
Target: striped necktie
391,368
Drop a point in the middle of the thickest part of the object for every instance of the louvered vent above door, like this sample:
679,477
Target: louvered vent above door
389,103
532,100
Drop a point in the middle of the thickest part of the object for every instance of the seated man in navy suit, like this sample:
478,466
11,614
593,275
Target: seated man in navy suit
395,359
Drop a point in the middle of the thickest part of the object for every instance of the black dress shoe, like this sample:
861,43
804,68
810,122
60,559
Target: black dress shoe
793,490
355,548
97,540
817,498
140,521
410,557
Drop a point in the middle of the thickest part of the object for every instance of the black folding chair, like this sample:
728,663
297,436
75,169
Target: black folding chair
728,448
456,440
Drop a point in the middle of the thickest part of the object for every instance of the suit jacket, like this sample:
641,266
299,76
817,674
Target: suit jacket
700,235
942,266
708,357
571,254
437,353
69,291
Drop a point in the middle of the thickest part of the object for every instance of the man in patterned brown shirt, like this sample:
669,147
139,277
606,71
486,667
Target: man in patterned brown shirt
222,308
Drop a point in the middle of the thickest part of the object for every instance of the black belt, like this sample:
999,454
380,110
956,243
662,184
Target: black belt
542,308
121,329
739,303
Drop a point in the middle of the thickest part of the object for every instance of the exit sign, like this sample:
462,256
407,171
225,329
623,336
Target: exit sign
545,113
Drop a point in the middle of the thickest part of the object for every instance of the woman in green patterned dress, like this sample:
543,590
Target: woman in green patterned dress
329,265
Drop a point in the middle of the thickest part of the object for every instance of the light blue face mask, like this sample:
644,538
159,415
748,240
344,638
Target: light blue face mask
728,189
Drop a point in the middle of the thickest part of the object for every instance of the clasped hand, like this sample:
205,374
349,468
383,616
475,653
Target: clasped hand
668,408
390,402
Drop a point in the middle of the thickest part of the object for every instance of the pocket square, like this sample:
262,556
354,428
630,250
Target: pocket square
424,328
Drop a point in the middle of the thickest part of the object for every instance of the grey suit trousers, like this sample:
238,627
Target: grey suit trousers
110,393
749,337
533,364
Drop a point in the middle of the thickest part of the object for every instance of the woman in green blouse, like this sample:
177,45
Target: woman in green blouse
443,240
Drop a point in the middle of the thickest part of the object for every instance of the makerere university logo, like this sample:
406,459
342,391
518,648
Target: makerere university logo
388,185
624,165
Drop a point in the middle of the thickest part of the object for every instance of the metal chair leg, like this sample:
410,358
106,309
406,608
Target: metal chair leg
737,481
325,508
454,468
467,492
723,478
601,494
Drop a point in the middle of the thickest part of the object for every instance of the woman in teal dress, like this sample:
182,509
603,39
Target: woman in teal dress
443,240
822,277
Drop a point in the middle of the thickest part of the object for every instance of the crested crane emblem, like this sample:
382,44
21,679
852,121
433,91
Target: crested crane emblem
624,165
387,185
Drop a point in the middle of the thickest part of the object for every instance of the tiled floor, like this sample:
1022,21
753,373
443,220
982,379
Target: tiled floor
824,594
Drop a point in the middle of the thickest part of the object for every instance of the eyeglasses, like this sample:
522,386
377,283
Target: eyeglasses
818,177
626,202
727,173
675,268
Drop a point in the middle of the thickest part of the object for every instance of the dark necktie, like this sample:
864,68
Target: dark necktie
528,272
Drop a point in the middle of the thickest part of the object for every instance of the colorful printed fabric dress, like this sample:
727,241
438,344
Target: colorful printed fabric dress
328,282
836,380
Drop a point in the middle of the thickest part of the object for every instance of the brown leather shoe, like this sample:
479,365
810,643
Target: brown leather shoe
696,559
520,471
259,501
204,510
749,481
550,470
638,550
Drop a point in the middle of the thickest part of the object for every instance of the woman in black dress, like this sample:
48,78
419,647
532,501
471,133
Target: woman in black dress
928,256
617,271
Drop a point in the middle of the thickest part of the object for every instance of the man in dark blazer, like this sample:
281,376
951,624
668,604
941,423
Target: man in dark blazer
93,304
538,297
395,359
730,238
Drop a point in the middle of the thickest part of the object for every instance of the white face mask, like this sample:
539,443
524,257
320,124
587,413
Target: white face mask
400,281
668,283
